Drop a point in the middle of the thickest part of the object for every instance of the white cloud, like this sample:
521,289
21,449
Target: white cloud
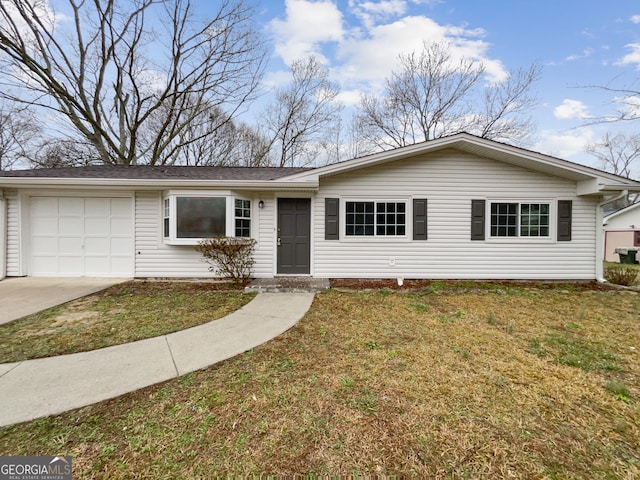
571,109
577,56
367,50
349,97
564,145
369,12
635,19
633,57
308,24
370,57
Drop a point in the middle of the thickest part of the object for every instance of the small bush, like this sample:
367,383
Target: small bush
230,257
621,275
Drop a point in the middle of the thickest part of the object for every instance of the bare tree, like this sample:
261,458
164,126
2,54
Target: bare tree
251,147
112,68
222,143
504,114
626,103
433,94
302,114
57,153
18,128
616,153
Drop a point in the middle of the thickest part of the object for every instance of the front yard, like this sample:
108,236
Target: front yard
452,381
123,313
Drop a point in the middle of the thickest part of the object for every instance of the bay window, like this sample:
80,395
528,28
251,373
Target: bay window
200,217
189,217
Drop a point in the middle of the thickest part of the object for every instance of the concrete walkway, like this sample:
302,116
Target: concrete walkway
23,296
48,386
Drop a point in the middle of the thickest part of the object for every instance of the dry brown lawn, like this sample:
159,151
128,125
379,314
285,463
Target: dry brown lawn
123,313
489,382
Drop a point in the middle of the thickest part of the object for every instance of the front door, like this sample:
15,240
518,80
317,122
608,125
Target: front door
294,236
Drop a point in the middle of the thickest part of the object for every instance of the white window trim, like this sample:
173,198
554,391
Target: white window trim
553,221
408,230
251,218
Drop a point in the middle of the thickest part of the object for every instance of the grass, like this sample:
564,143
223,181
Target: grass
120,314
438,384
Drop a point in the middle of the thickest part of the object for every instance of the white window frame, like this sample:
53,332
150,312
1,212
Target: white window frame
166,217
553,220
250,217
408,212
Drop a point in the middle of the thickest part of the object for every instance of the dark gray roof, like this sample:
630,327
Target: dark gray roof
145,172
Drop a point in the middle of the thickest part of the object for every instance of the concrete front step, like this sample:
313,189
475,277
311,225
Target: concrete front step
288,285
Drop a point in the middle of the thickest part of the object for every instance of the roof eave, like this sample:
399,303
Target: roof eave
8,182
482,147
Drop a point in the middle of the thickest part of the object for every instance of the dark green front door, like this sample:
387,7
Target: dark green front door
294,236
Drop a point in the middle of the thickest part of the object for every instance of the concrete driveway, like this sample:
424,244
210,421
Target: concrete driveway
20,296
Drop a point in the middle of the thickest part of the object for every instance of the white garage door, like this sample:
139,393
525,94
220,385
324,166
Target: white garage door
72,236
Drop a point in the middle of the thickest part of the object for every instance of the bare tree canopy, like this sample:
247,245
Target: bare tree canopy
18,129
433,94
617,153
625,101
301,118
57,153
131,77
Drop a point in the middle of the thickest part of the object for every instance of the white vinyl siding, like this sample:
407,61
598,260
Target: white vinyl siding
450,180
13,234
263,228
156,258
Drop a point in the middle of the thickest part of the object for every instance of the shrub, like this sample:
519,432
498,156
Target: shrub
230,257
621,275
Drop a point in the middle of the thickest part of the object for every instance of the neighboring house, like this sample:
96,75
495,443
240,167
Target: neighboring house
621,230
455,207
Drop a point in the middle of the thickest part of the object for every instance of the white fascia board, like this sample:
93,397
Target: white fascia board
619,187
588,187
595,186
149,184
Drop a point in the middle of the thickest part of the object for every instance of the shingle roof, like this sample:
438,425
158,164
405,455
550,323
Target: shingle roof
157,172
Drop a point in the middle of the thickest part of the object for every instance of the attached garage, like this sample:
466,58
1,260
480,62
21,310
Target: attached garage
80,236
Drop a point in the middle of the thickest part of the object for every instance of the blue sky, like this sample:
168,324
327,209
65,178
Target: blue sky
578,43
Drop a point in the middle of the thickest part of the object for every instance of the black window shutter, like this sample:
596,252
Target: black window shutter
564,220
477,219
331,218
419,218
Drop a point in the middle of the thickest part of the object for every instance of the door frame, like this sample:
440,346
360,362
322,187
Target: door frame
311,199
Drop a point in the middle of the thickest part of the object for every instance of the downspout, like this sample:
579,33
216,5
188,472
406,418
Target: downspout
600,235
3,236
